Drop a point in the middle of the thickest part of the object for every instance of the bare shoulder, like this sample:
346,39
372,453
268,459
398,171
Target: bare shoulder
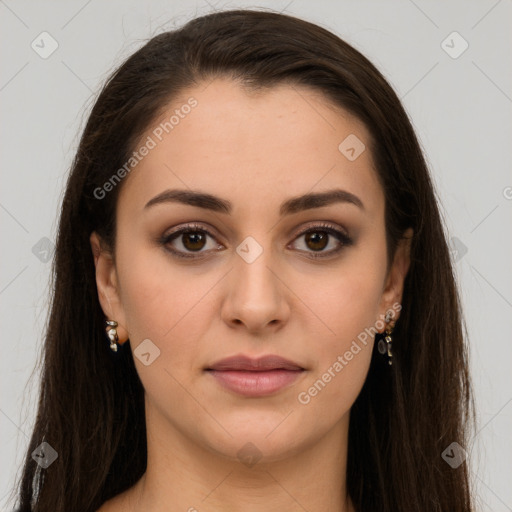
123,502
106,507
114,504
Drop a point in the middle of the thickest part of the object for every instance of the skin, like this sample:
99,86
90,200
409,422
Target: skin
255,150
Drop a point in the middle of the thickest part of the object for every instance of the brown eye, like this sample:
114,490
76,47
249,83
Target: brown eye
193,240
317,240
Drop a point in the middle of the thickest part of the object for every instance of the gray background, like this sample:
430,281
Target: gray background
460,107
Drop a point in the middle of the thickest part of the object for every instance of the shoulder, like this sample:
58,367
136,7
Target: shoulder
115,504
109,506
123,501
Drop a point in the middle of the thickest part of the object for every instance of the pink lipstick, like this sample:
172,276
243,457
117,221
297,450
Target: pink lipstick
259,377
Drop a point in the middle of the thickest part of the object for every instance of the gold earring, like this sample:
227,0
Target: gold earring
112,334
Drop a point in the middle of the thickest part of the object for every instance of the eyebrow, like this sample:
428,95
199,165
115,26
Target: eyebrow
290,206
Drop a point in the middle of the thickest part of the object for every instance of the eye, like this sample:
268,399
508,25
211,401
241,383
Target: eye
193,238
320,236
188,240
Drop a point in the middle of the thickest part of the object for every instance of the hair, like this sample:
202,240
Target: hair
91,402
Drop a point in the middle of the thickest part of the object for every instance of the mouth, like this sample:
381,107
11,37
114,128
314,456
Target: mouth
255,377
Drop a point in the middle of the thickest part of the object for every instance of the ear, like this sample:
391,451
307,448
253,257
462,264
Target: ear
394,286
107,284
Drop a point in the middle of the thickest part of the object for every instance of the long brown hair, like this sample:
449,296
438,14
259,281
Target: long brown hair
91,404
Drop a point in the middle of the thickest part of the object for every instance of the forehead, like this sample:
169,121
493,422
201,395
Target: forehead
271,144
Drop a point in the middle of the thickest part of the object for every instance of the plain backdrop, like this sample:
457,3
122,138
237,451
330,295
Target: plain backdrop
459,100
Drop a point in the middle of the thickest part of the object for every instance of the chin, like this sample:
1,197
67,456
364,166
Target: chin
267,439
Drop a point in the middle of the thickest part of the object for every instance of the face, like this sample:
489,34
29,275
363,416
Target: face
256,272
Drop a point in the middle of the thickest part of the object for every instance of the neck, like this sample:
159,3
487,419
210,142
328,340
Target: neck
183,476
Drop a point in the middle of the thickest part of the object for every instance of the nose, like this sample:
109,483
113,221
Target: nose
256,300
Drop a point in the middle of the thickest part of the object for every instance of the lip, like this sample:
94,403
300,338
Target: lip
259,364
255,377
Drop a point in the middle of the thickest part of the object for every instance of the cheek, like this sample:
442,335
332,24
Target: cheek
347,299
348,305
164,303
342,359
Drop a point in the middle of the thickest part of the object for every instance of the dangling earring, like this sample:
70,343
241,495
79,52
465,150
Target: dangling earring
384,346
112,334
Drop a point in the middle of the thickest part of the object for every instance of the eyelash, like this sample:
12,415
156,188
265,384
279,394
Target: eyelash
343,238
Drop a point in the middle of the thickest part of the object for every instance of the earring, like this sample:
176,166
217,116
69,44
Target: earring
384,345
112,334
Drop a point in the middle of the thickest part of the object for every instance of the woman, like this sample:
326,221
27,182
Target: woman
254,306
